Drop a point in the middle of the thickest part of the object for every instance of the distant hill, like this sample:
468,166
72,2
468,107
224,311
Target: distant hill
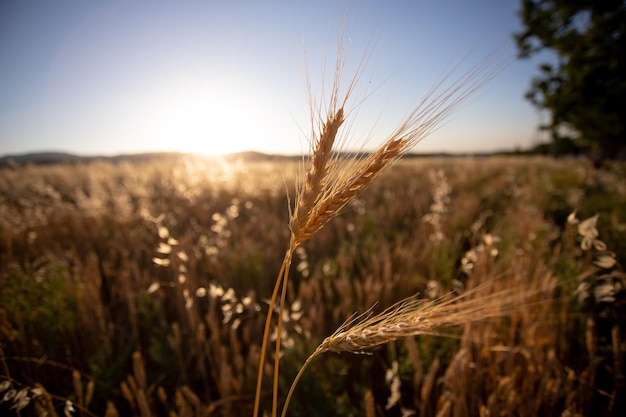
53,158
39,158
253,156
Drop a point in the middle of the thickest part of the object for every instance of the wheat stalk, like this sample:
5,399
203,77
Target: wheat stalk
331,181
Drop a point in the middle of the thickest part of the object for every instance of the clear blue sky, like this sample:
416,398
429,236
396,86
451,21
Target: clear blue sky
111,77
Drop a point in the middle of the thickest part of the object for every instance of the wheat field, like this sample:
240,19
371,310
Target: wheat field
142,289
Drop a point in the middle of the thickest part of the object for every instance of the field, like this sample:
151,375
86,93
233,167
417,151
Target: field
142,289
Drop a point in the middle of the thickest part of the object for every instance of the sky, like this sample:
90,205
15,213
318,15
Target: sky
119,77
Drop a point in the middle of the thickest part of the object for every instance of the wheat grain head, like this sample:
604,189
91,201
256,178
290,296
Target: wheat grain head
414,316
332,181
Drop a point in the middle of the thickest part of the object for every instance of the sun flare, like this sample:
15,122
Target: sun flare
210,124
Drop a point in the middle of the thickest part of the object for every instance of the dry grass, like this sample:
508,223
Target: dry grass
195,321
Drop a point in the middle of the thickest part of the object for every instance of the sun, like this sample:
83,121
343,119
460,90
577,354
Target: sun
208,127
209,123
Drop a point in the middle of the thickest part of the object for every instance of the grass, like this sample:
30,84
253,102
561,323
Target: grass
90,265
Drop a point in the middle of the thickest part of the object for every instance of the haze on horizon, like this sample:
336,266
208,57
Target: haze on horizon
114,77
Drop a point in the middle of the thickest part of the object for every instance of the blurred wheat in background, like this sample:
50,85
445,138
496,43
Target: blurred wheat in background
140,289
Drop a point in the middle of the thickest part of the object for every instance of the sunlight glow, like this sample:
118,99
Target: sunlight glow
208,123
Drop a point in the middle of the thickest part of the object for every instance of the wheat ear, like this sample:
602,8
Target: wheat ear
318,169
334,199
413,317
331,182
314,186
344,179
321,155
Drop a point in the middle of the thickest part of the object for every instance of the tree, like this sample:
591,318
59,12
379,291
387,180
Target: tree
585,89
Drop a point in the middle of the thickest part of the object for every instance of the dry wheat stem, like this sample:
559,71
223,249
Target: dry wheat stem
308,196
279,327
268,321
296,380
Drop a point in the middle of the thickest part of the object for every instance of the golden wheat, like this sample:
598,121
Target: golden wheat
336,197
332,181
345,178
318,168
414,316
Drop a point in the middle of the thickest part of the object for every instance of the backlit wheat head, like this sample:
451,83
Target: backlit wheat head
414,316
331,181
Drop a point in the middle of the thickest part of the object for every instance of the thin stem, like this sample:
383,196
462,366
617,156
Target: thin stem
279,328
266,331
296,379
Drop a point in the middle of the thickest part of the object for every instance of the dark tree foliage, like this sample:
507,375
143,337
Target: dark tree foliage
585,89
